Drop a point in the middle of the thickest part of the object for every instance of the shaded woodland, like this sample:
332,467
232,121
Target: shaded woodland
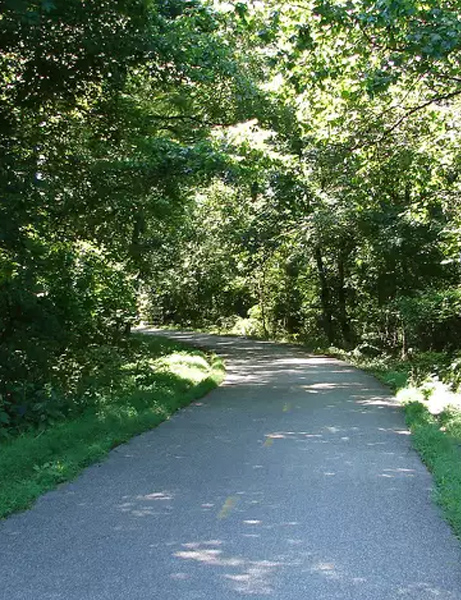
275,169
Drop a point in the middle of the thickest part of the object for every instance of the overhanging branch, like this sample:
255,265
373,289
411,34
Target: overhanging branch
195,119
417,108
408,112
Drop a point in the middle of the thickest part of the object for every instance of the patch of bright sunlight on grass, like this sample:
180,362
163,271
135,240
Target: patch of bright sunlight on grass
192,368
154,381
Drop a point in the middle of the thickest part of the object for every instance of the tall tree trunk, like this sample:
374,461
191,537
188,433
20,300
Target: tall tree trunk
325,297
139,227
342,300
404,354
262,300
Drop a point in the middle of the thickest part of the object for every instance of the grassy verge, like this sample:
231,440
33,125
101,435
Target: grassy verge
436,437
129,396
438,440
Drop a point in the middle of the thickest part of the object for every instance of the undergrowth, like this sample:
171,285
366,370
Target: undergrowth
130,393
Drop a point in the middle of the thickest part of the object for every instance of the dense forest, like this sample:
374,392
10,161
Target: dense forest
275,169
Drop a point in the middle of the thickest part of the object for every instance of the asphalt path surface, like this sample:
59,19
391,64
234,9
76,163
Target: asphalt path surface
295,480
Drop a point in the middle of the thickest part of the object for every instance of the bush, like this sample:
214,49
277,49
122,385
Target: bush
50,317
252,326
432,320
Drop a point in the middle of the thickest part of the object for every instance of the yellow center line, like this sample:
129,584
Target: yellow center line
287,407
228,506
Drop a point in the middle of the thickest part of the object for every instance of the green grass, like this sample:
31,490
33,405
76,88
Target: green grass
129,395
438,440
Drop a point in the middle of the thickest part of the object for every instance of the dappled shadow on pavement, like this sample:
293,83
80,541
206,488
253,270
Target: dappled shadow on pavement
294,480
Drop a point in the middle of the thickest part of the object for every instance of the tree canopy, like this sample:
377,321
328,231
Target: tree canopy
280,168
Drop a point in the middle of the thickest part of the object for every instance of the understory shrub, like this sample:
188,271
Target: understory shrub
432,319
53,321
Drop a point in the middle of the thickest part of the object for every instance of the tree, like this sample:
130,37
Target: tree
106,109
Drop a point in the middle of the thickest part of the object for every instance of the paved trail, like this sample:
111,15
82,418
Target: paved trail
293,481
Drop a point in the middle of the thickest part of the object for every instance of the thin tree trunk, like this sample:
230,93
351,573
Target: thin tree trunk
404,343
342,301
262,301
325,297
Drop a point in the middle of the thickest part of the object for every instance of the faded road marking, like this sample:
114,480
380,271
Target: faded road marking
269,441
228,506
287,407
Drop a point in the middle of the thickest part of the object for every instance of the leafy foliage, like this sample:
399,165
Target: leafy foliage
346,229
105,111
292,165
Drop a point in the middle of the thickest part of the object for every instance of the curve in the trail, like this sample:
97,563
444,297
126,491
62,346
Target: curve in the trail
293,481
